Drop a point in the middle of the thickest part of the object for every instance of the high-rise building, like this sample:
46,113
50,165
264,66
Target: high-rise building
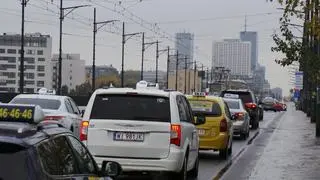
233,54
37,61
251,37
73,70
184,45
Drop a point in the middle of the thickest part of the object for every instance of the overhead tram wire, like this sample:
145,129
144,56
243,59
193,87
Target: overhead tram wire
164,33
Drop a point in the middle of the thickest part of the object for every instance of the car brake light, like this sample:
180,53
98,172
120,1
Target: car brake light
84,130
223,125
175,134
251,105
53,118
239,115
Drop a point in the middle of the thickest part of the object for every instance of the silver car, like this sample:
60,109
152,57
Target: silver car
241,123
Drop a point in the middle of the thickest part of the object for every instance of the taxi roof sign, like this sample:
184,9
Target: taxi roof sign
231,96
199,94
32,114
147,85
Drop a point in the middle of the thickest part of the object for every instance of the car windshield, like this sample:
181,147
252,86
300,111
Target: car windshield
244,96
15,162
131,107
233,104
51,104
205,107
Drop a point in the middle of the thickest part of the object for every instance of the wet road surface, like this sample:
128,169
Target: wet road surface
211,164
286,149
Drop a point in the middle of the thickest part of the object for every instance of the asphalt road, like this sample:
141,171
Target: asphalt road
210,163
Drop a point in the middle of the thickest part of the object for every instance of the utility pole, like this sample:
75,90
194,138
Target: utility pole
143,50
189,80
194,78
201,77
124,40
207,78
21,84
62,16
95,30
185,74
168,67
142,57
157,60
177,63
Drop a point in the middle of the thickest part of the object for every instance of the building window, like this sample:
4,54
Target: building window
40,83
29,67
40,74
11,51
29,82
41,59
28,60
11,81
30,51
40,68
40,52
29,90
2,51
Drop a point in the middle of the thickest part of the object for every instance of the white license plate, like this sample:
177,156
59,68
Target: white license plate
128,136
201,132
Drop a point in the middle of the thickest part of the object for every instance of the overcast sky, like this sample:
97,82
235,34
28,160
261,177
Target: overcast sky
209,20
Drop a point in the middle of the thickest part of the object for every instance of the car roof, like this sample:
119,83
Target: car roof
26,135
207,97
237,90
149,92
41,96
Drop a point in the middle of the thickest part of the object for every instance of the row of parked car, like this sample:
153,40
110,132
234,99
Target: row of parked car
147,130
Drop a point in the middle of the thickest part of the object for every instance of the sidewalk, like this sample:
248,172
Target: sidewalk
293,152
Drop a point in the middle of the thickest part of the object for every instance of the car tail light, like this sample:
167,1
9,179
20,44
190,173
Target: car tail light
223,125
239,116
84,130
53,118
251,105
175,134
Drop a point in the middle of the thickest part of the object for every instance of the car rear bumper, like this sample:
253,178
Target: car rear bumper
173,163
214,143
239,129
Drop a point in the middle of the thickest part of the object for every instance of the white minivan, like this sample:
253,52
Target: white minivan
145,130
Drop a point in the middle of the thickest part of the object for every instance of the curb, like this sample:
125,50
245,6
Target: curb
227,166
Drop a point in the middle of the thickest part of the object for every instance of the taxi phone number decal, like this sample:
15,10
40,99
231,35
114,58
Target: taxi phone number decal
16,113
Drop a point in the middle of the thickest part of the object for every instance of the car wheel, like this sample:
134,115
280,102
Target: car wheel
243,136
230,149
183,174
195,170
223,153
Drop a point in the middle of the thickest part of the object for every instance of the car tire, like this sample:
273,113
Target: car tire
223,153
230,149
183,174
243,136
195,170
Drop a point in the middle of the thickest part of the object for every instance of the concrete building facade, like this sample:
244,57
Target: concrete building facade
37,62
233,54
193,81
73,70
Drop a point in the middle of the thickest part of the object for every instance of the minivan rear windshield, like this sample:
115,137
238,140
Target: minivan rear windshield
131,107
205,107
14,162
43,103
244,96
233,104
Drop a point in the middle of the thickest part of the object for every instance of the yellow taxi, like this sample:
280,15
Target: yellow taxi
216,134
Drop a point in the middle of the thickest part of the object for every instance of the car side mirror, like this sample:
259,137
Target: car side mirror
111,169
233,117
200,119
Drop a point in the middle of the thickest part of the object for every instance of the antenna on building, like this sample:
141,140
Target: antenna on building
245,23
